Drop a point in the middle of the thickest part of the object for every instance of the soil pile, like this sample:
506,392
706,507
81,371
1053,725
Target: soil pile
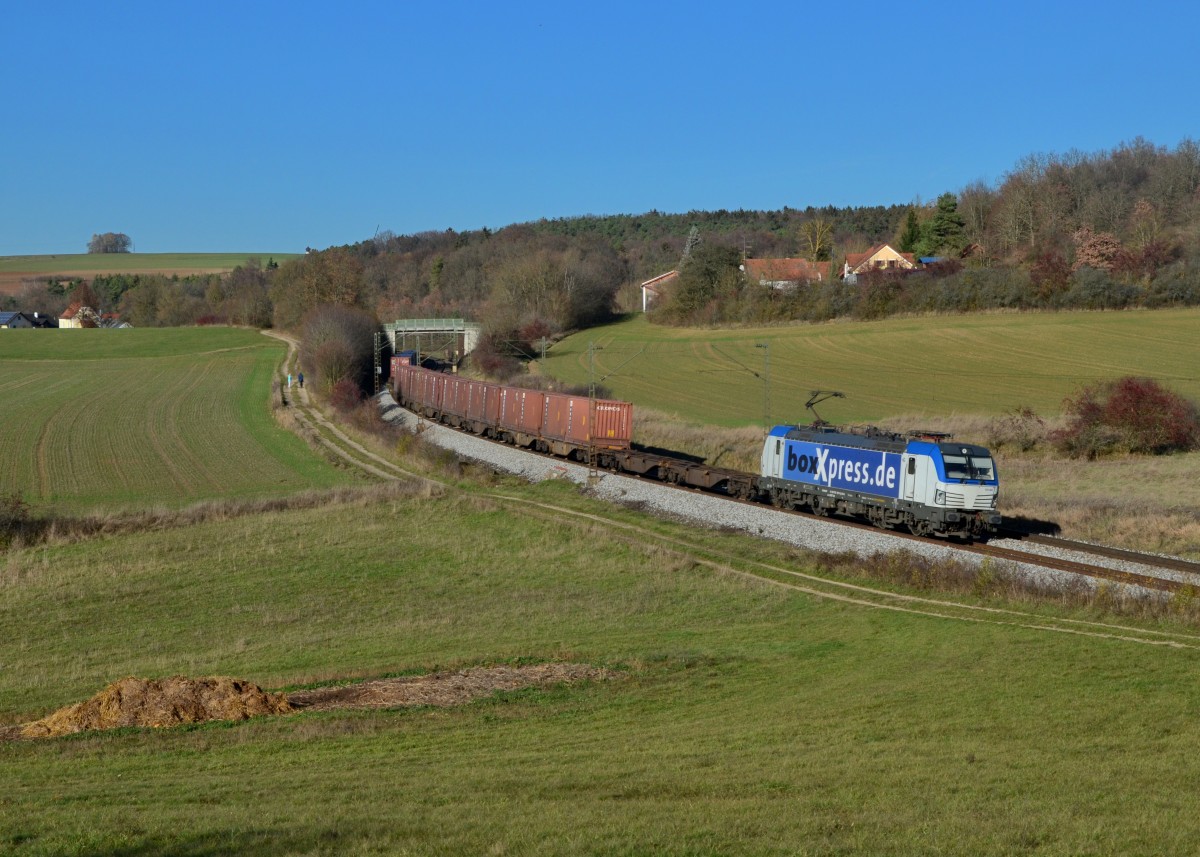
441,689
172,701
160,702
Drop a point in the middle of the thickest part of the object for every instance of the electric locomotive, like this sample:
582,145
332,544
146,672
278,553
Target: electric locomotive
924,482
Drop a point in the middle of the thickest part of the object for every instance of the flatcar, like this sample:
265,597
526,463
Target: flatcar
926,483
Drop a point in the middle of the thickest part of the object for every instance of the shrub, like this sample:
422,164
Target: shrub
1093,288
1176,285
337,342
14,517
1021,428
345,395
1136,415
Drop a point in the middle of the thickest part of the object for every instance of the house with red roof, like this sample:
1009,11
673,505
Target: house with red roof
78,315
785,273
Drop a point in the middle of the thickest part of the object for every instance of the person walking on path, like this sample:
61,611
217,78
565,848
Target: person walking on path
301,377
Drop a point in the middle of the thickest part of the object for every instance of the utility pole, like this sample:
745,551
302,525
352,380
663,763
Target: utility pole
378,361
593,476
766,347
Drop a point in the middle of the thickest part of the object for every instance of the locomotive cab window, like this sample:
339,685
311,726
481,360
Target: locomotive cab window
982,467
969,467
912,467
956,466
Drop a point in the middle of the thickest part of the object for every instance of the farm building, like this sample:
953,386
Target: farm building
652,289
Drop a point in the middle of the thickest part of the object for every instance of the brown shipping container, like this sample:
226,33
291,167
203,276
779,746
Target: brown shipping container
613,426
521,410
570,418
402,382
454,396
427,388
477,402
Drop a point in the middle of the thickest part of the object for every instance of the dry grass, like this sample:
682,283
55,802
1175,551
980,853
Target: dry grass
998,583
62,529
737,448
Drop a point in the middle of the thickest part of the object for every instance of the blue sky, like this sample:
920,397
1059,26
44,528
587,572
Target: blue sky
269,127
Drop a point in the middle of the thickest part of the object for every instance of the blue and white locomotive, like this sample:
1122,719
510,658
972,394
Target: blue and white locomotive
925,482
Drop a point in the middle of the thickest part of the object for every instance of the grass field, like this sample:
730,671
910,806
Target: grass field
938,366
750,719
105,418
15,270
747,718
131,263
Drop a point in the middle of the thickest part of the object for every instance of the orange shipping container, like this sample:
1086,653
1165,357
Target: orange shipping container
581,421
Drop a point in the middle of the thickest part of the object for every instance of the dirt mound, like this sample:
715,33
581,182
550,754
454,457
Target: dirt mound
442,689
172,701
160,702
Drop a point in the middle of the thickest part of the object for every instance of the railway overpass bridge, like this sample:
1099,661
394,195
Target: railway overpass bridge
448,339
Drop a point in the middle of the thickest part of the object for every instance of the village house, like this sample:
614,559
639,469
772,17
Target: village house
785,273
12,320
881,257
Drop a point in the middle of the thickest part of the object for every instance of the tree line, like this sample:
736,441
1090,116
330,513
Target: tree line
1103,230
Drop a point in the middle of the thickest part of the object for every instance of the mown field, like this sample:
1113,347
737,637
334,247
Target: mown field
131,263
118,419
748,719
936,366
15,269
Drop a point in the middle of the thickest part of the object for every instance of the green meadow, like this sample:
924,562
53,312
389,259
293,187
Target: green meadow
929,366
745,715
745,718
97,418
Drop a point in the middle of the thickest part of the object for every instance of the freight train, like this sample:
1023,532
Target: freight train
925,483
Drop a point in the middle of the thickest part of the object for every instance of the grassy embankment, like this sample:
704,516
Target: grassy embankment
955,373
750,719
128,418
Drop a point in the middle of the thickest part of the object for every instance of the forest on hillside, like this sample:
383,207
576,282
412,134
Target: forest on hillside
1109,229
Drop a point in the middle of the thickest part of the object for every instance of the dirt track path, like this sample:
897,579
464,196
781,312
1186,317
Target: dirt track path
345,448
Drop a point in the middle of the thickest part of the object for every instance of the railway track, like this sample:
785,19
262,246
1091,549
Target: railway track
1167,562
849,592
736,480
1130,578
1092,570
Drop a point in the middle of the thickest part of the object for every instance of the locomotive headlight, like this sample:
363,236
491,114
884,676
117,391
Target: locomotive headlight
939,498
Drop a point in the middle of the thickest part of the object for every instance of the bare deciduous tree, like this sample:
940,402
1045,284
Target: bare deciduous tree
817,235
